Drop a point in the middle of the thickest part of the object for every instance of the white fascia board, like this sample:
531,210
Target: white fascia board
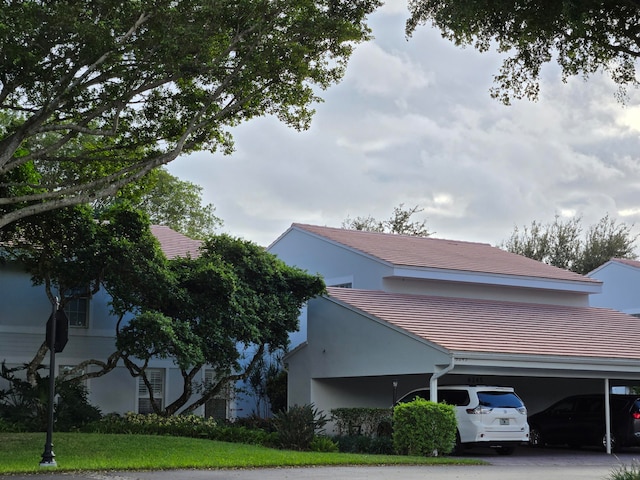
460,276
549,362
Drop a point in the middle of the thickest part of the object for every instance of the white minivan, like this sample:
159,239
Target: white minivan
487,416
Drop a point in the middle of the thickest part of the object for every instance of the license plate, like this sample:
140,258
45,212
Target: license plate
504,421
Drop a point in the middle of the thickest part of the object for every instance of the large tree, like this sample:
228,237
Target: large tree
583,36
564,244
96,94
224,310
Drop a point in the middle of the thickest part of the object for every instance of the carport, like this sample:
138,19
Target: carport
365,348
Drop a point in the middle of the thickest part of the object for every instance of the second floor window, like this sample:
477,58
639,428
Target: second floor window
77,310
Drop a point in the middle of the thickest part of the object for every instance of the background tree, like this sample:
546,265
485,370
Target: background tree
583,36
563,244
399,222
172,202
94,95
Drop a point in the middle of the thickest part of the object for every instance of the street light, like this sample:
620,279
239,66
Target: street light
57,336
395,390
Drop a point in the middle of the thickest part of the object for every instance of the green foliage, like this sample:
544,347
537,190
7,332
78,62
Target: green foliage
563,245
425,428
361,421
24,407
380,445
584,37
626,472
324,444
108,91
185,312
276,390
398,223
298,426
172,202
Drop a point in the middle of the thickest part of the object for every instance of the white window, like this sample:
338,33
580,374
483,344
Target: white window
156,379
218,406
77,310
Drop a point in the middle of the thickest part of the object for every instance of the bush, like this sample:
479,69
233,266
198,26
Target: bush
183,426
362,421
25,407
424,428
381,445
625,472
298,426
323,444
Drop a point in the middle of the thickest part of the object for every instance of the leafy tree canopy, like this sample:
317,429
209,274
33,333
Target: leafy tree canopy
584,36
234,294
564,244
94,95
399,222
172,202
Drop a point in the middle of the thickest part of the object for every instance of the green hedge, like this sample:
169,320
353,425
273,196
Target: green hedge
369,422
424,428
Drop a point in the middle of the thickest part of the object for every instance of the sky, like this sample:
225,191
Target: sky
413,123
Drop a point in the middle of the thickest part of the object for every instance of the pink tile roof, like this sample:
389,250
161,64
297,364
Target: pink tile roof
174,244
471,325
428,252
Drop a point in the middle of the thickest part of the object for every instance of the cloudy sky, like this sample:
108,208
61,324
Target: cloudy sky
412,122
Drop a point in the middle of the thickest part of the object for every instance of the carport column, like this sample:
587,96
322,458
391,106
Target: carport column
607,414
433,382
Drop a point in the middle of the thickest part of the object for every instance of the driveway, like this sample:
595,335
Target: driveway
525,464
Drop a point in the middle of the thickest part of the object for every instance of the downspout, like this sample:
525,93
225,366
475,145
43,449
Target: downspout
433,381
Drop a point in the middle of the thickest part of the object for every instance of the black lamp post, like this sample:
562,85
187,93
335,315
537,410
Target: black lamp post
48,457
57,337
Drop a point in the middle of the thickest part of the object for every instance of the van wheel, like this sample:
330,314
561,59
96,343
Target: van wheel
505,450
614,443
535,438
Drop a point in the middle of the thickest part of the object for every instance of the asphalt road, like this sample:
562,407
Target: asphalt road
525,464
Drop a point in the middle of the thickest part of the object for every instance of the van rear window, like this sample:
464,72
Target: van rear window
499,400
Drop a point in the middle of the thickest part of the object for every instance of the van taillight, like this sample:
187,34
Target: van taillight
636,415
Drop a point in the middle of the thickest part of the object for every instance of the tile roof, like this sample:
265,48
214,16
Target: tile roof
428,252
174,244
487,326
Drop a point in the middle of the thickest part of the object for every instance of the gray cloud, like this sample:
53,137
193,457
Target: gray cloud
413,122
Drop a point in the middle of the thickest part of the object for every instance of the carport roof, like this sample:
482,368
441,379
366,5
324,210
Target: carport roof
498,327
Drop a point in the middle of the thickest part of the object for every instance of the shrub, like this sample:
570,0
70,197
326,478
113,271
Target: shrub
153,424
25,406
362,421
631,472
424,428
382,445
298,426
323,444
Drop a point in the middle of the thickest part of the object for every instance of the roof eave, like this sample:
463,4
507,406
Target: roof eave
589,286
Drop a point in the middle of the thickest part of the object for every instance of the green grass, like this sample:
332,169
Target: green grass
22,452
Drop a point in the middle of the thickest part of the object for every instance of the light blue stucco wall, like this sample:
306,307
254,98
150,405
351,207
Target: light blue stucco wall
620,289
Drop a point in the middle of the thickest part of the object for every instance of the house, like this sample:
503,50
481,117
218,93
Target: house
621,280
25,310
407,312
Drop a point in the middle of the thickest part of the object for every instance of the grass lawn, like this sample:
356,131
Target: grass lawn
22,452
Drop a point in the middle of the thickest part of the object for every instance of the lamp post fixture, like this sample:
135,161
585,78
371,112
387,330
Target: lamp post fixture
395,391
